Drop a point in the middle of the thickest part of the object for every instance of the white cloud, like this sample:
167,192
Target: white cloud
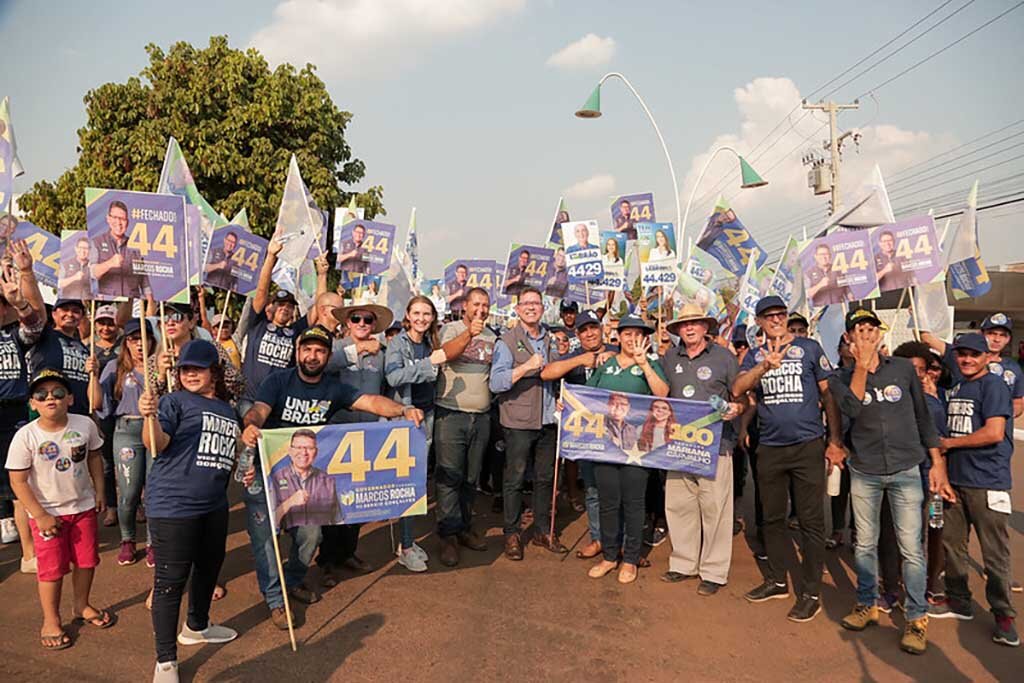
762,104
600,185
349,38
589,51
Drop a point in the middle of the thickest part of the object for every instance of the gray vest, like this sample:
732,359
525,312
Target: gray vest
522,406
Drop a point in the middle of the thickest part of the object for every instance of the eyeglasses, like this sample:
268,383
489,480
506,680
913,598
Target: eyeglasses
531,304
358,318
59,393
774,316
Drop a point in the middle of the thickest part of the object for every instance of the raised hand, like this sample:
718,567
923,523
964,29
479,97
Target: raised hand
640,350
773,354
19,252
864,342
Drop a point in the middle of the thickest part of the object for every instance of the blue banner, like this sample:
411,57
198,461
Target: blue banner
45,249
728,240
969,278
615,427
344,473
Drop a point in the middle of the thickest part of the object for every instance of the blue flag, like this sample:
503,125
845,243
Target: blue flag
729,241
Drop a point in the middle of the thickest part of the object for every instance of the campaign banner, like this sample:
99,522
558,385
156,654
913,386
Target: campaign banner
726,238
365,247
137,245
342,216
557,283
45,249
613,258
234,260
502,303
906,253
197,243
578,292
462,275
73,277
837,268
630,209
657,247
527,266
582,251
785,282
661,433
698,265
555,238
344,473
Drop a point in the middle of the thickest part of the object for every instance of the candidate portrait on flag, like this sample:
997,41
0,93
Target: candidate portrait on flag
116,269
73,281
303,494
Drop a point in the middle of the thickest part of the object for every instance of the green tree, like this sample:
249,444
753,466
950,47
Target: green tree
238,124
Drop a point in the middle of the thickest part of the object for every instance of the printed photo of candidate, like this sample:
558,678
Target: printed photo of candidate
821,282
220,262
352,256
620,432
583,235
73,278
558,280
304,495
889,265
456,277
613,248
631,209
516,273
662,245
117,269
527,265
555,236
657,428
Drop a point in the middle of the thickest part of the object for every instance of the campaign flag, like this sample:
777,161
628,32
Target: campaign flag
725,238
344,473
242,219
527,266
658,258
630,209
299,221
582,253
578,292
787,282
502,303
967,272
234,260
866,206
829,328
396,287
45,249
554,237
73,280
462,275
838,268
906,253
10,165
366,247
699,266
934,313
613,257
410,255
137,245
342,216
620,428
557,282
748,293
692,291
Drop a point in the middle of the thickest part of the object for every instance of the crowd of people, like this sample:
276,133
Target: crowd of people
110,419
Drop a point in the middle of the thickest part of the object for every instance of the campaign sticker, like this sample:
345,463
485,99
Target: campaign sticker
825,365
63,464
689,390
795,352
867,398
892,393
1010,377
999,319
49,450
704,373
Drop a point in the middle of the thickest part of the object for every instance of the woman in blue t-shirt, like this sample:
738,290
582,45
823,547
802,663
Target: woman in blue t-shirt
194,434
410,368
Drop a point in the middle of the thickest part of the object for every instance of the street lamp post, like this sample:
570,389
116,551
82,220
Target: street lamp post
750,178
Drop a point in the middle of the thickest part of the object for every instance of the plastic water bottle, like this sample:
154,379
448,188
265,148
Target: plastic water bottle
245,461
935,511
719,404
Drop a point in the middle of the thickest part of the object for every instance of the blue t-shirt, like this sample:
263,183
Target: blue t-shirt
422,392
296,403
788,397
58,351
268,347
132,387
190,477
1005,368
13,373
971,403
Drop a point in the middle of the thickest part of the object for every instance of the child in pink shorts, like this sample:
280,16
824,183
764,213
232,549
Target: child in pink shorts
56,472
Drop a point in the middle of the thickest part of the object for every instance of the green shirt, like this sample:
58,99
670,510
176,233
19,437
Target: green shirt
631,380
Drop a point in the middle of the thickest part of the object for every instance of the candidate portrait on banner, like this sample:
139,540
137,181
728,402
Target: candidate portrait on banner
352,256
73,281
220,262
822,281
303,494
117,269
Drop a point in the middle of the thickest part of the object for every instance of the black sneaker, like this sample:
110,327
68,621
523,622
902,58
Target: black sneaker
950,609
657,537
707,588
805,609
676,577
1005,633
769,590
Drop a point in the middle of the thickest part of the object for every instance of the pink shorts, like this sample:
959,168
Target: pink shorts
75,544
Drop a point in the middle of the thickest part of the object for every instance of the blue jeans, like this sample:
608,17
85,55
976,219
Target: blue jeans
305,540
461,440
905,496
405,523
131,466
590,499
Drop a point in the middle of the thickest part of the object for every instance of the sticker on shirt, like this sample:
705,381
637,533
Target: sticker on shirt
126,454
794,352
478,352
823,362
703,373
49,450
892,393
1010,377
759,356
63,464
689,390
636,370
867,398
995,368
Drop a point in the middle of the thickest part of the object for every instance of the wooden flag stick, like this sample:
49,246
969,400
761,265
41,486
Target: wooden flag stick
277,550
223,315
166,342
145,371
92,343
554,488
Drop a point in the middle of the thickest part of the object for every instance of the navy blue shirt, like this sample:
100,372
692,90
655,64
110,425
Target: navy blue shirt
296,403
190,476
58,351
13,374
971,403
788,397
1005,368
268,347
422,392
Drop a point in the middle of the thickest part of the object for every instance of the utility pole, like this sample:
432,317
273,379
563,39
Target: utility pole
834,144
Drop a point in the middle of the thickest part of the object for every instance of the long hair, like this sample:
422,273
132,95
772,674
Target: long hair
220,386
646,440
126,364
613,243
431,335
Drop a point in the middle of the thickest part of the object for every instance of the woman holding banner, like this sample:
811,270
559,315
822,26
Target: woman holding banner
621,488
410,368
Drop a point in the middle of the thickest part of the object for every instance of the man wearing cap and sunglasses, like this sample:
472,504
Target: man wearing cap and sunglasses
789,376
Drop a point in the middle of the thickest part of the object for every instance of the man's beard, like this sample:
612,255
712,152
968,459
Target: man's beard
309,371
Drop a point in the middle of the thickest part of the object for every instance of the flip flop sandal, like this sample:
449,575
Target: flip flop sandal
61,641
223,593
102,620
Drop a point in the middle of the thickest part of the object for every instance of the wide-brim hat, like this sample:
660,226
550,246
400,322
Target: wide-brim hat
690,313
383,314
636,322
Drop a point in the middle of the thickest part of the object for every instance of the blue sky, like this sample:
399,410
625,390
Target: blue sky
457,112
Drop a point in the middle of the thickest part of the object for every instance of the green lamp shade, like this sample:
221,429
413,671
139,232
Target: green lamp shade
750,176
591,109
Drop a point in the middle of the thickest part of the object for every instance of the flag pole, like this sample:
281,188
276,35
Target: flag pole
223,315
92,343
558,449
166,343
277,549
145,374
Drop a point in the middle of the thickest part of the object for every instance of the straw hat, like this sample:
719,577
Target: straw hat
383,315
688,313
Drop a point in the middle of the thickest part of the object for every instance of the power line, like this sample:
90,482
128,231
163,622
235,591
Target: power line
953,149
963,156
968,175
981,208
914,179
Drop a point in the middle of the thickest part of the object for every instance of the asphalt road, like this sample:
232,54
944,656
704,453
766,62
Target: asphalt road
492,619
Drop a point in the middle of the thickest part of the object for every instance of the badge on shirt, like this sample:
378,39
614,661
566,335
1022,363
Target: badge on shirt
63,465
636,370
995,368
1010,377
49,450
999,319
892,393
703,373
825,365
689,390
795,352
867,398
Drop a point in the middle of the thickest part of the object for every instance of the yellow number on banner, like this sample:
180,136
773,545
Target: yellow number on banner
139,239
165,241
253,262
735,237
471,280
35,243
542,269
368,243
382,245
858,261
485,281
402,463
351,445
640,213
239,257
594,424
690,434
923,246
903,248
744,254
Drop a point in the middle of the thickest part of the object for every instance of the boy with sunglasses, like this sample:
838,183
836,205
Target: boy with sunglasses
57,473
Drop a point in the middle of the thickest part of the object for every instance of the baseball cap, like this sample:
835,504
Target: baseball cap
971,341
739,335
198,353
132,327
586,318
219,317
184,309
634,322
396,326
569,307
283,297
767,303
106,311
48,375
317,333
997,320
861,315
68,302
796,317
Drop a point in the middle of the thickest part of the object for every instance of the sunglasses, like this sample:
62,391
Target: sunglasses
358,318
176,317
59,393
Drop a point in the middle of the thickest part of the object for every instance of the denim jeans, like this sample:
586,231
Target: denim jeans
522,446
622,490
133,465
405,523
903,489
305,540
460,441
591,499
107,451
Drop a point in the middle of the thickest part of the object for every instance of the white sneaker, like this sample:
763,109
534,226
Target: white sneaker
420,551
166,672
8,531
411,560
29,566
211,634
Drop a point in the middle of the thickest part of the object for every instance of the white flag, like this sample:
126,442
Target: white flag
867,205
299,221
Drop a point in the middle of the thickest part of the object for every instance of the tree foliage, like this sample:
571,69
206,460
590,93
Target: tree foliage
238,124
